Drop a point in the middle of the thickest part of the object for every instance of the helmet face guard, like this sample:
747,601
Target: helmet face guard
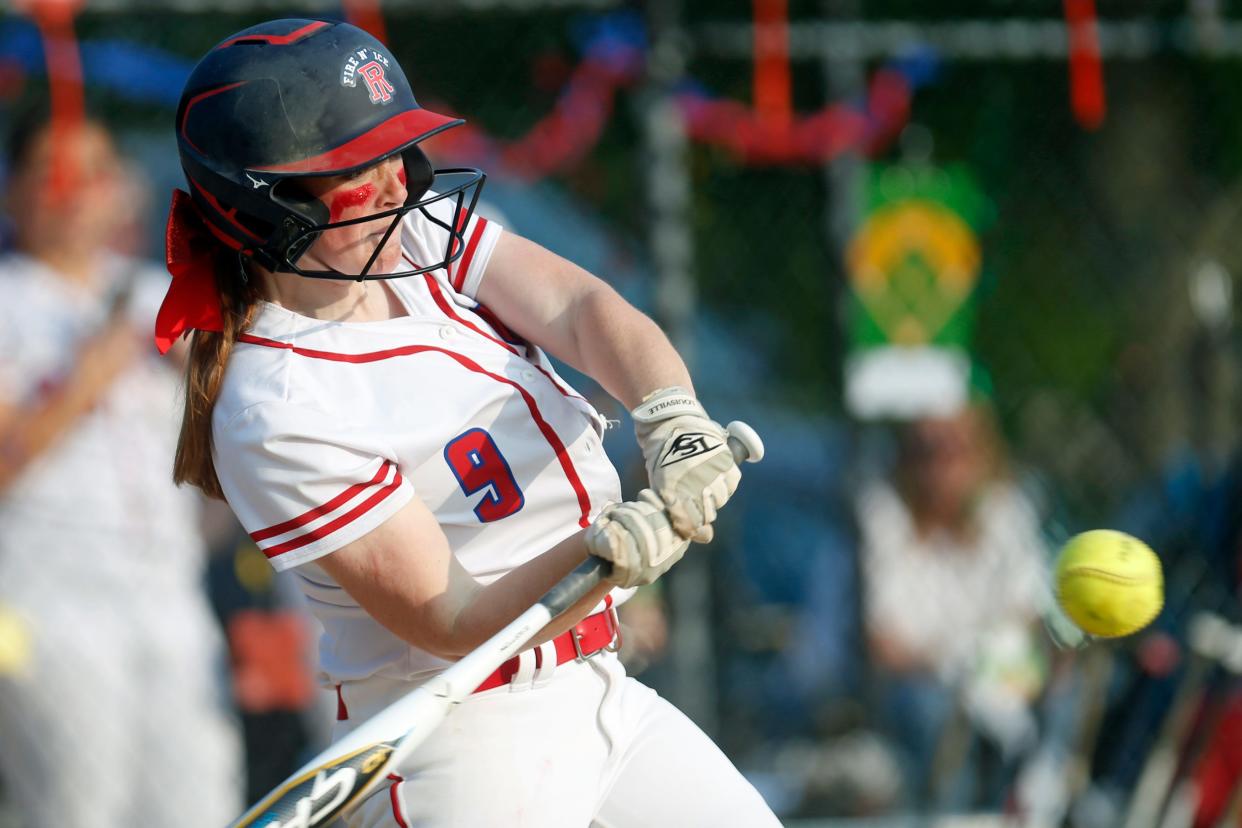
292,99
460,192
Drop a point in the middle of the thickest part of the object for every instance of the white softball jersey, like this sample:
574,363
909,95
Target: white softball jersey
323,430
101,555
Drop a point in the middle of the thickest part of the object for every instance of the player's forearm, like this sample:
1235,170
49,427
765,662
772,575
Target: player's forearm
406,577
623,349
493,606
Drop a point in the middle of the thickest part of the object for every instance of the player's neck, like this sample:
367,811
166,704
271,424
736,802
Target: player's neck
330,299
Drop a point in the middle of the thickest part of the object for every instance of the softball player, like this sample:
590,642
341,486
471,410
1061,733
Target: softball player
119,720
380,431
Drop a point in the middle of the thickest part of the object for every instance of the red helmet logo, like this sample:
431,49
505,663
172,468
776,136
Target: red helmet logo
370,65
378,85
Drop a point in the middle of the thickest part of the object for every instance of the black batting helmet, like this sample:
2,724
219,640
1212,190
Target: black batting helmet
294,98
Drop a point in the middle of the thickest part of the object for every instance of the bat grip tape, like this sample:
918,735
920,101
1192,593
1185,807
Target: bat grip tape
570,589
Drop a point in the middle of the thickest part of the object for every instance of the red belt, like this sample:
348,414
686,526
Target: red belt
591,635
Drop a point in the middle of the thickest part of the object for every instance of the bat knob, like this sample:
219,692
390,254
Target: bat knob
744,442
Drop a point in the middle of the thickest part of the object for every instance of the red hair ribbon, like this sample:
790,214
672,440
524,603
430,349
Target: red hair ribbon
192,301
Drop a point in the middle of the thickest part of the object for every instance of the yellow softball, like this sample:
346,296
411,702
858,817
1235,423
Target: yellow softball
1109,583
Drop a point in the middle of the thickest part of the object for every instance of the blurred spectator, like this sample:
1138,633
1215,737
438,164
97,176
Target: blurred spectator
112,713
952,570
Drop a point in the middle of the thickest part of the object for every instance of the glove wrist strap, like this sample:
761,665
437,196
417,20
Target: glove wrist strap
666,403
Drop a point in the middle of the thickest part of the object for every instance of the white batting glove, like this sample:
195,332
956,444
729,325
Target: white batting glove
688,460
637,538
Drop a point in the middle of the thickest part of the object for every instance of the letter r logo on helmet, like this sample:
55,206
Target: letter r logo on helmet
381,90
294,98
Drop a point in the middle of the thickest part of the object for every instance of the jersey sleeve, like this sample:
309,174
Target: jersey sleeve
301,484
426,239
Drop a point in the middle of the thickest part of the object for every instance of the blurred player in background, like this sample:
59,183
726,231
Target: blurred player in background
117,718
952,568
405,447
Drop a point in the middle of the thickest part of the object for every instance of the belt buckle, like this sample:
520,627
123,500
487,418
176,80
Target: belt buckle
612,646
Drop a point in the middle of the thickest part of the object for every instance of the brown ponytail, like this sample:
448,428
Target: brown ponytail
209,355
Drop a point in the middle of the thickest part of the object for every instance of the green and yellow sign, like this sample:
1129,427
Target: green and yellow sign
913,266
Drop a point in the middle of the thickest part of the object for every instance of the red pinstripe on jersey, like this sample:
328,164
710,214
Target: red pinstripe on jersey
442,302
502,330
549,434
378,494
437,296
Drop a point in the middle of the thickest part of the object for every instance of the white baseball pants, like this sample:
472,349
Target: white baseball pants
586,746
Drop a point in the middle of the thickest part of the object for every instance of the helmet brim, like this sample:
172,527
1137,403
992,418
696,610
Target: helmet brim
387,138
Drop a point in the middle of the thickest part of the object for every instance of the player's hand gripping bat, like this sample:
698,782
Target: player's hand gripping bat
344,774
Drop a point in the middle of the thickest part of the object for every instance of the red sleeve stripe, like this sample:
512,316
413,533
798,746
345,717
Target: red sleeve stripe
331,526
463,266
331,506
462,218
